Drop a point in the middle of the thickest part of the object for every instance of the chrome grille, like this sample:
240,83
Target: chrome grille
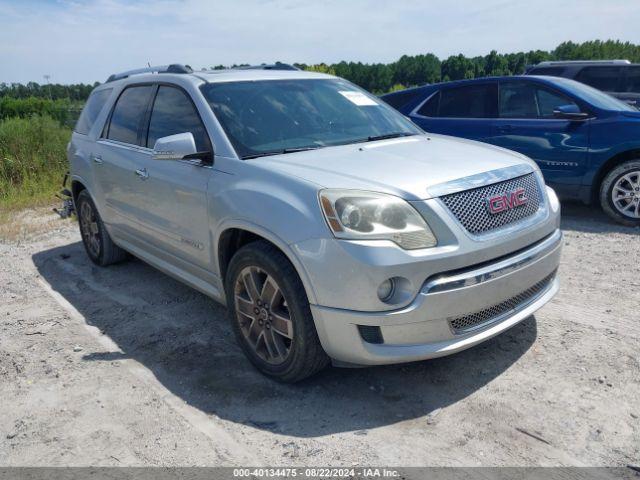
466,323
470,206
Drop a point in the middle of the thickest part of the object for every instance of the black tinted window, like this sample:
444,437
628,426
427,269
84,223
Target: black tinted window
173,112
400,99
633,80
602,78
128,113
471,101
551,71
91,110
430,107
527,100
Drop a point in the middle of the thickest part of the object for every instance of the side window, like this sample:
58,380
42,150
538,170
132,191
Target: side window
173,112
633,80
91,110
430,107
548,101
527,100
470,101
128,113
602,78
518,100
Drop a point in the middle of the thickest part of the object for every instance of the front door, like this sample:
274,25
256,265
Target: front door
175,192
527,125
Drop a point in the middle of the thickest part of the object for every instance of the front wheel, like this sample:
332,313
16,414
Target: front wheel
620,193
270,314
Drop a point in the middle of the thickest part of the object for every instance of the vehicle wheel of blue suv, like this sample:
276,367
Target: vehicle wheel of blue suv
270,314
97,242
620,193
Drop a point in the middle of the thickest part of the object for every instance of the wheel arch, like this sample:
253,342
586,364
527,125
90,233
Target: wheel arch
607,166
234,235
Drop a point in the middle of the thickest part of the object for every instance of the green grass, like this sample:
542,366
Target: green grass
32,161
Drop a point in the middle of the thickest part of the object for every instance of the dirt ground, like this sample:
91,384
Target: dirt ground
125,366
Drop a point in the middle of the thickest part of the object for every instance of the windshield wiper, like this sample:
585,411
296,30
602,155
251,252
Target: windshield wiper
386,136
281,151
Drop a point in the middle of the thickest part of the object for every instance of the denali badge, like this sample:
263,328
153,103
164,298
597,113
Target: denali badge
506,201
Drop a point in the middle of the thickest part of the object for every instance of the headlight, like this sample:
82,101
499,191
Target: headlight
360,215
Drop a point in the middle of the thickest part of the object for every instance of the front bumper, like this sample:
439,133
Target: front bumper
452,311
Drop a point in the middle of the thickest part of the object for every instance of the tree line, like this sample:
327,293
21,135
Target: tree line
409,70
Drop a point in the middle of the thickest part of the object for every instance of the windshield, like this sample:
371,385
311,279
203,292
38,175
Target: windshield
595,97
280,116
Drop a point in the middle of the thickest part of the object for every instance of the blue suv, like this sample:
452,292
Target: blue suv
586,142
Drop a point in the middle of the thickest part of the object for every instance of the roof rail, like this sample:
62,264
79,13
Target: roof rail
273,66
582,62
173,68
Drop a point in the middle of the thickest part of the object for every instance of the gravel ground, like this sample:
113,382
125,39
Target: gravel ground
125,366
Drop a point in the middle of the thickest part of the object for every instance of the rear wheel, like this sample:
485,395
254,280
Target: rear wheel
97,242
270,314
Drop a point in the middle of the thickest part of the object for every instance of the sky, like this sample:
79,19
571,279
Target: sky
86,40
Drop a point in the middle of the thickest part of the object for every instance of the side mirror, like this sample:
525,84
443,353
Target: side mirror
570,112
181,146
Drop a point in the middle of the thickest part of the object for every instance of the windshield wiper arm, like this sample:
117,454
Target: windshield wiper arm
281,151
386,136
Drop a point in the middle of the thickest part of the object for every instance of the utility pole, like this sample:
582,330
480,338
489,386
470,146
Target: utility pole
46,78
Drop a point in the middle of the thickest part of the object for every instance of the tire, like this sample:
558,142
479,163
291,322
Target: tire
97,242
259,314
624,178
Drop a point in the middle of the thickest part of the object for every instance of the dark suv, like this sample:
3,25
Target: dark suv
619,78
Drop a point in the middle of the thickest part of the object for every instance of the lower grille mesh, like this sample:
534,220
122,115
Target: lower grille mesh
471,321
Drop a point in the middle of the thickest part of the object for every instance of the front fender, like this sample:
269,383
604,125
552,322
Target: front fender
270,236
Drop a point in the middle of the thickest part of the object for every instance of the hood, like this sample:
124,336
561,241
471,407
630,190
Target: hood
406,167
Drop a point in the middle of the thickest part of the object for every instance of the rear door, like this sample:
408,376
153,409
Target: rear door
118,159
527,125
464,111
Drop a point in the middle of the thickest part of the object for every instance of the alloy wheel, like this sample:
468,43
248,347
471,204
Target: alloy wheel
625,194
89,228
263,315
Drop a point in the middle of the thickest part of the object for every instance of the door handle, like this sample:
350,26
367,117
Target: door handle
96,158
142,173
505,128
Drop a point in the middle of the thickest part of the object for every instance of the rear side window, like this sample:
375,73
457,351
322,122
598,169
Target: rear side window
91,110
527,100
128,114
633,80
400,99
431,106
173,112
470,101
602,78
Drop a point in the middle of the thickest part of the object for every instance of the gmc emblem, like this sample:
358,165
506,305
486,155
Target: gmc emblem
506,201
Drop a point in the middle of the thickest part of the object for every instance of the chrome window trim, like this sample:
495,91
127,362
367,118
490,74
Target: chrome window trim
126,146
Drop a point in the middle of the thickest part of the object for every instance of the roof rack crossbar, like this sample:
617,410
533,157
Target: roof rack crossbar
585,62
173,68
273,66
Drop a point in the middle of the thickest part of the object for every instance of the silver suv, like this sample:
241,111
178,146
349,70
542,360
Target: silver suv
330,225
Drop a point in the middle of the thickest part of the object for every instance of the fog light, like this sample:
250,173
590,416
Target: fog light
386,289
